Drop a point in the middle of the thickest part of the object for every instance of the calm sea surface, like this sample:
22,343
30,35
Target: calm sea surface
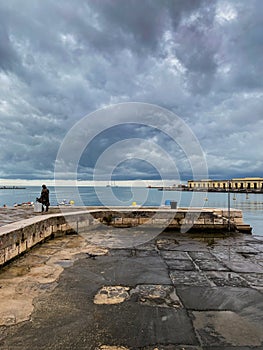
252,205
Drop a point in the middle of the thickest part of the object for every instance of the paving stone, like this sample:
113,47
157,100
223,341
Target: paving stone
166,244
242,265
131,271
259,259
210,265
223,253
190,278
254,279
156,295
145,253
247,249
201,255
146,325
227,328
221,279
192,245
183,265
221,298
257,246
174,254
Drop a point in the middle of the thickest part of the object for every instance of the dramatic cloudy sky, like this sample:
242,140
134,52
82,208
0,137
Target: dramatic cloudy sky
200,59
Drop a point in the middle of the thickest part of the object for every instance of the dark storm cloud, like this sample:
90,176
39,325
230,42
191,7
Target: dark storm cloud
61,60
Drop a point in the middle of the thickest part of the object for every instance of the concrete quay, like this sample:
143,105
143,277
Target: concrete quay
174,291
127,288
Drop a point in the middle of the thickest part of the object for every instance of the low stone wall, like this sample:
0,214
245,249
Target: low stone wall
20,236
196,218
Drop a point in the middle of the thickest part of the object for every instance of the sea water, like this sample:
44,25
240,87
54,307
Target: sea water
251,204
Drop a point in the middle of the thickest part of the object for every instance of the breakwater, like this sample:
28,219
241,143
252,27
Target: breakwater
18,237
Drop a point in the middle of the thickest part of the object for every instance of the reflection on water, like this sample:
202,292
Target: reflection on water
250,205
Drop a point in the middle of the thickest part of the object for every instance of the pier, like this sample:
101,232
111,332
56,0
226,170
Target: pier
79,290
18,237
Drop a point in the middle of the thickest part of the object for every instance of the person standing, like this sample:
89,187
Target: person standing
44,197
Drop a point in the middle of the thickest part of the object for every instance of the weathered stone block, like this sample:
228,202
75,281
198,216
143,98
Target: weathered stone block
160,221
130,221
209,221
238,221
117,220
145,221
199,221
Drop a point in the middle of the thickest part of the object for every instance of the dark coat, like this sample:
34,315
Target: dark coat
44,198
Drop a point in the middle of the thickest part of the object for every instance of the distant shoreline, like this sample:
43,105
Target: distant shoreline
12,188
214,190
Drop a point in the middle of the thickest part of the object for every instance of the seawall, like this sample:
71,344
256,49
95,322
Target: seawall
18,237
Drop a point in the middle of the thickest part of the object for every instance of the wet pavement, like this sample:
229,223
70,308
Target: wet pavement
173,292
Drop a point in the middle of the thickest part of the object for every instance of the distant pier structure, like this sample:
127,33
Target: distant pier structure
246,184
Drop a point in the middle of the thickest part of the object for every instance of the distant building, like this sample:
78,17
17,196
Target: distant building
246,184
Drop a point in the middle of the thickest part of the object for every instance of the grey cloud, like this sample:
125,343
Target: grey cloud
62,60
9,59
242,48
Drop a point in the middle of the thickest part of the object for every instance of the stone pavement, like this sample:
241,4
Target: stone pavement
174,292
9,215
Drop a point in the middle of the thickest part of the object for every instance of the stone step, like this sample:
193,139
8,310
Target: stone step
244,228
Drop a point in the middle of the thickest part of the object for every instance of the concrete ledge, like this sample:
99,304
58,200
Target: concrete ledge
18,237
